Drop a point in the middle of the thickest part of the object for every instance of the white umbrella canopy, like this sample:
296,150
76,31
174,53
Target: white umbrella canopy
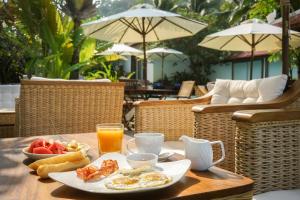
142,24
121,49
163,53
252,35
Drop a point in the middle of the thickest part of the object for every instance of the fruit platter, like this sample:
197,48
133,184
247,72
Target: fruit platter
41,148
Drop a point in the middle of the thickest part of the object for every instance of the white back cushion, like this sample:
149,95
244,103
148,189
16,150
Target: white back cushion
8,93
253,91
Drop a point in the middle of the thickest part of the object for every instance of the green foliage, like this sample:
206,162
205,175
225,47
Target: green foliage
14,44
107,72
178,77
262,8
58,39
12,58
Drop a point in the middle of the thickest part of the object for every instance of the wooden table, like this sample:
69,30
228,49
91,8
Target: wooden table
146,93
17,181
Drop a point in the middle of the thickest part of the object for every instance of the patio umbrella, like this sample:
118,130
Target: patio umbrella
121,49
252,35
163,53
142,24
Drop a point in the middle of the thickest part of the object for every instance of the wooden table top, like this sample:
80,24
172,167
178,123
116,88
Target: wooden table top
17,181
150,91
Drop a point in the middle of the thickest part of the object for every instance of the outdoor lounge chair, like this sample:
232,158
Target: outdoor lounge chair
200,90
185,90
60,107
267,148
209,121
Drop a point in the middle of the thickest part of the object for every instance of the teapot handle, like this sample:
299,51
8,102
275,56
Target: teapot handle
223,151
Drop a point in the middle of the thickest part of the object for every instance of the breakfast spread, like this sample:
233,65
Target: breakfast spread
60,163
113,172
41,146
92,173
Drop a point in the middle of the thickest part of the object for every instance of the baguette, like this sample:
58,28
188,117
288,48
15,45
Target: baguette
45,169
68,157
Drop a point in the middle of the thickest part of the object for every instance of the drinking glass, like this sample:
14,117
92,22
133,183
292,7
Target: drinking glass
110,137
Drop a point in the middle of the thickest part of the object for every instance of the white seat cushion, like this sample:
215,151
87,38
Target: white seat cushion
279,195
8,93
254,91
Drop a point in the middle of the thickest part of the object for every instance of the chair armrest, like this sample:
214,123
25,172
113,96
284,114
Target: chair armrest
267,148
233,107
253,116
202,100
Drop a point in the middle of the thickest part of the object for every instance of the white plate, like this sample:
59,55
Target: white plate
35,156
176,170
169,148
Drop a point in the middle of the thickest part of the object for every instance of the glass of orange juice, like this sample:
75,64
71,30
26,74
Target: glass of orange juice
110,137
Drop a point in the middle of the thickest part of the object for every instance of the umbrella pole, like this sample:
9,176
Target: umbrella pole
162,67
252,56
251,65
145,59
144,49
285,35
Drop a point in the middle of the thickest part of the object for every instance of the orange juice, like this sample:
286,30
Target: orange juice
109,138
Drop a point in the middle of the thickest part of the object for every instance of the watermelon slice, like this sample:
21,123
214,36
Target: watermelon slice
34,144
42,150
57,148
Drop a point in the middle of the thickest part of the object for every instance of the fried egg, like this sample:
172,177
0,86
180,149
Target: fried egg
153,179
145,180
123,183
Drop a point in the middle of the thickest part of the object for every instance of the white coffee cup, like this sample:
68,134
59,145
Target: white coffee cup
147,143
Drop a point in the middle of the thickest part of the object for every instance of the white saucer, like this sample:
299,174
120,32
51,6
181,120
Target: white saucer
169,148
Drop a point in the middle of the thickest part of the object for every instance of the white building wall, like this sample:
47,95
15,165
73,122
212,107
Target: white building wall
127,64
171,66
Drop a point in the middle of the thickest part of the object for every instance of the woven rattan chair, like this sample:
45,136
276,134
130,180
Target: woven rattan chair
7,124
268,148
212,122
59,107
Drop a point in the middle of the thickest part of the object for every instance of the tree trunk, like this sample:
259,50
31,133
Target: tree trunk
75,58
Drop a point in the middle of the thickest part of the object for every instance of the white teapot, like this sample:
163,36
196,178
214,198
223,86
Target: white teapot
200,152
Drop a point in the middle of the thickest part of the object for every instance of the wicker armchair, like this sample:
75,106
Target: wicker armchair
173,117
214,122
59,107
268,149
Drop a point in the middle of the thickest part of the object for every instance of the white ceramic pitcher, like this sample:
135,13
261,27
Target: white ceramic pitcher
200,152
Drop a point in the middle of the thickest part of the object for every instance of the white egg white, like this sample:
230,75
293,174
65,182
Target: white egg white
153,179
121,182
145,180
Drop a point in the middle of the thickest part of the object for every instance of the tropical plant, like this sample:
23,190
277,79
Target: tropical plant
78,10
12,55
55,31
260,10
107,72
